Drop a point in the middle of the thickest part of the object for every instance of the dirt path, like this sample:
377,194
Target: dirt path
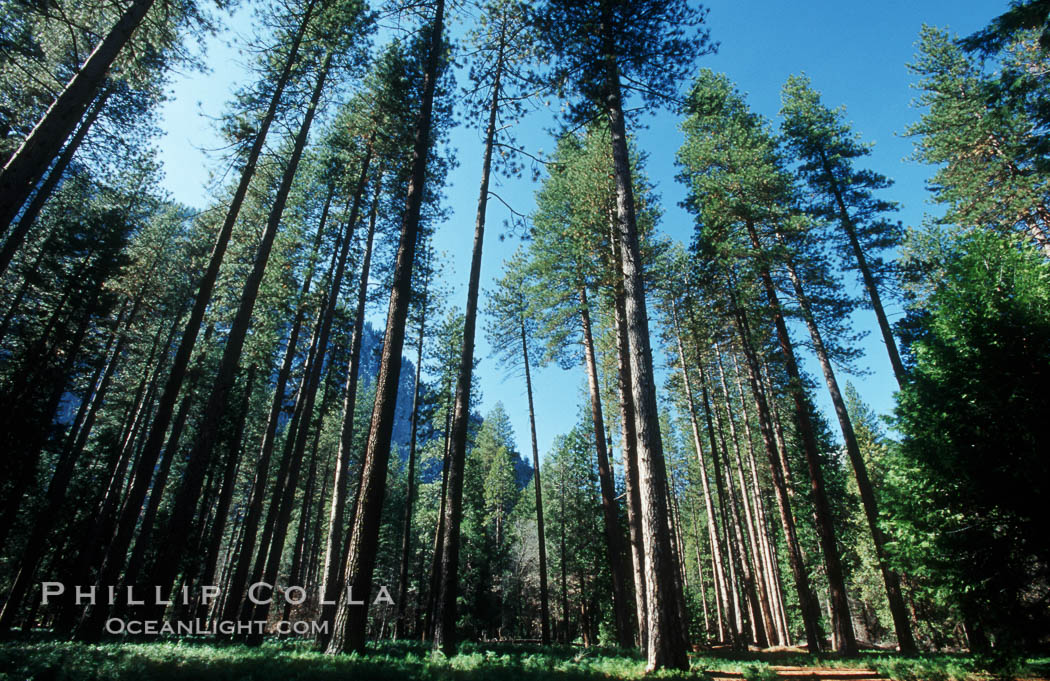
791,673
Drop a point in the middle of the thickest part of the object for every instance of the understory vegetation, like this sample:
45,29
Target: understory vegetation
46,658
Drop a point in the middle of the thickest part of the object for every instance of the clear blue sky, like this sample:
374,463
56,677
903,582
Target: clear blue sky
854,52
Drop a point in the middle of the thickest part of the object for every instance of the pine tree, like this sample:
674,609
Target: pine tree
501,46
990,174
651,45
826,150
349,629
512,335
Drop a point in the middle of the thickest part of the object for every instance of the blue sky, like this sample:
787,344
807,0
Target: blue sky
854,52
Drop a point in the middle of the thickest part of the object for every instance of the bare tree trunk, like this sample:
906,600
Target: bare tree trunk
890,578
841,621
229,482
806,600
179,527
335,553
439,539
545,614
667,646
17,237
728,498
401,626
628,439
349,628
752,535
870,286
768,555
722,601
301,547
448,586
143,541
242,567
564,569
610,514
311,382
700,570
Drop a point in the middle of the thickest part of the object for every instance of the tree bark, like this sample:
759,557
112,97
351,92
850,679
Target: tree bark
242,564
143,540
901,624
349,628
545,624
401,626
58,487
311,382
448,586
610,514
335,555
720,581
229,481
769,559
802,587
28,164
17,237
732,522
841,621
749,520
181,522
667,645
869,280
629,452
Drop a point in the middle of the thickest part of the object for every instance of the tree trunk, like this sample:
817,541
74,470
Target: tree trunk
768,555
242,567
869,281
229,481
732,522
841,621
610,514
17,237
143,541
28,164
890,578
401,626
301,546
667,637
335,555
448,587
700,571
180,525
810,617
764,601
720,581
349,629
311,382
545,624
564,568
629,451
58,487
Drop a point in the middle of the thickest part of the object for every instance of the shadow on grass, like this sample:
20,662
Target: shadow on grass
46,658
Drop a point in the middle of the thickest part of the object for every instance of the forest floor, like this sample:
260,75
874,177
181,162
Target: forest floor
46,658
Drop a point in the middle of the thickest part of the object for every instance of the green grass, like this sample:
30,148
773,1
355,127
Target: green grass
43,658
287,661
